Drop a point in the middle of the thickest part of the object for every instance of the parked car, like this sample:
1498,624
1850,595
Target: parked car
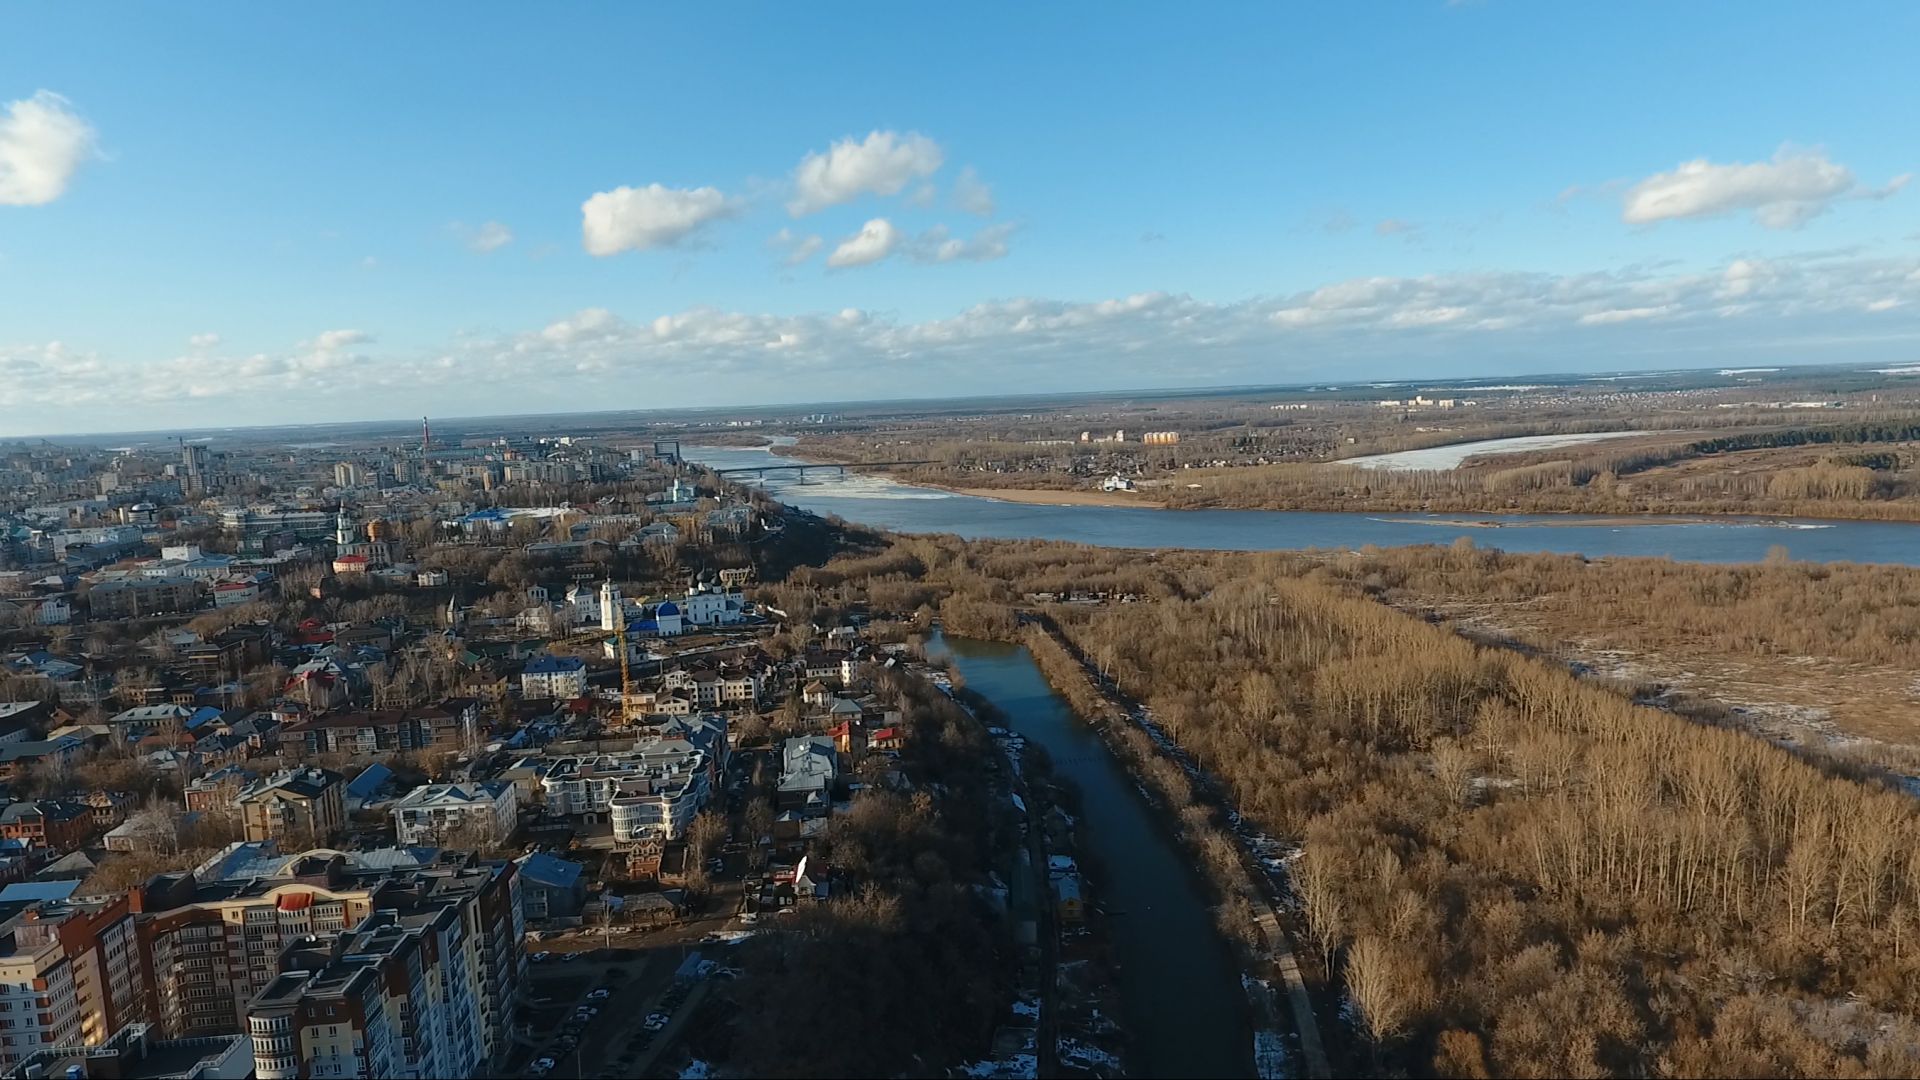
545,1064
657,1021
601,994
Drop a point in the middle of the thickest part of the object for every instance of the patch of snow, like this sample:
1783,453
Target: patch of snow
1442,458
1087,1056
1017,1067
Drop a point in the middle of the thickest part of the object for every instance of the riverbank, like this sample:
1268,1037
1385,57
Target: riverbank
1056,497
1235,863
1246,873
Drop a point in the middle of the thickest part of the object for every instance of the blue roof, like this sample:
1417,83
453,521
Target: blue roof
38,890
553,665
201,715
551,870
369,781
667,607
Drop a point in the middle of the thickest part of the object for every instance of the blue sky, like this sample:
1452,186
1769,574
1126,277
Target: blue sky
218,212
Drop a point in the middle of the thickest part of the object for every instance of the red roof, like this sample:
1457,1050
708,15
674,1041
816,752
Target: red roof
886,733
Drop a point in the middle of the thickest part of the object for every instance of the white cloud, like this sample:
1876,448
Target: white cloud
42,144
1785,193
874,242
1805,307
335,340
488,236
883,163
971,194
1742,276
793,248
880,239
637,219
583,325
937,245
1396,227
1619,315
203,342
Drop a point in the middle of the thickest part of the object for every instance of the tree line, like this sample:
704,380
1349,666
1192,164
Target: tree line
1509,871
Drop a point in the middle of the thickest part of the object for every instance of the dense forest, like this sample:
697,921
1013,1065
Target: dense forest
1509,871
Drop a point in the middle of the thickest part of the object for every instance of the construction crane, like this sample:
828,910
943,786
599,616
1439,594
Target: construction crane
630,712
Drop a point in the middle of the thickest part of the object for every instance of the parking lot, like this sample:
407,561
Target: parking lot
608,1012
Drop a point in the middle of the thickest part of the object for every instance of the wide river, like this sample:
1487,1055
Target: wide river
884,503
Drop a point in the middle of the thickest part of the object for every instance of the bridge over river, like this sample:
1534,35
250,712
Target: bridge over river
801,468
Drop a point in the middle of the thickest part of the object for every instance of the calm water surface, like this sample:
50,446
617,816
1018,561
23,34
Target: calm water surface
883,503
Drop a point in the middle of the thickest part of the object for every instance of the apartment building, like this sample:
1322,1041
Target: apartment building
451,725
212,946
476,813
558,677
641,794
300,805
356,929
395,997
39,1005
128,598
70,973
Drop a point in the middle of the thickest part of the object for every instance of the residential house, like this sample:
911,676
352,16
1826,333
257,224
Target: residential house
17,758
234,593
809,766
551,887
320,684
368,787
218,792
58,824
148,719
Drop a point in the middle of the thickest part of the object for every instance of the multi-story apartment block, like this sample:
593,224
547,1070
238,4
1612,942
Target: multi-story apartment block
301,805
641,794
127,598
554,677
256,526
70,972
369,964
38,1004
477,813
451,725
212,946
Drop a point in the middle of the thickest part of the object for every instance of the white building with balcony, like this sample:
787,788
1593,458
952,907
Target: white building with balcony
483,813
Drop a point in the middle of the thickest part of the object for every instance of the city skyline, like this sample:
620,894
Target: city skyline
511,215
